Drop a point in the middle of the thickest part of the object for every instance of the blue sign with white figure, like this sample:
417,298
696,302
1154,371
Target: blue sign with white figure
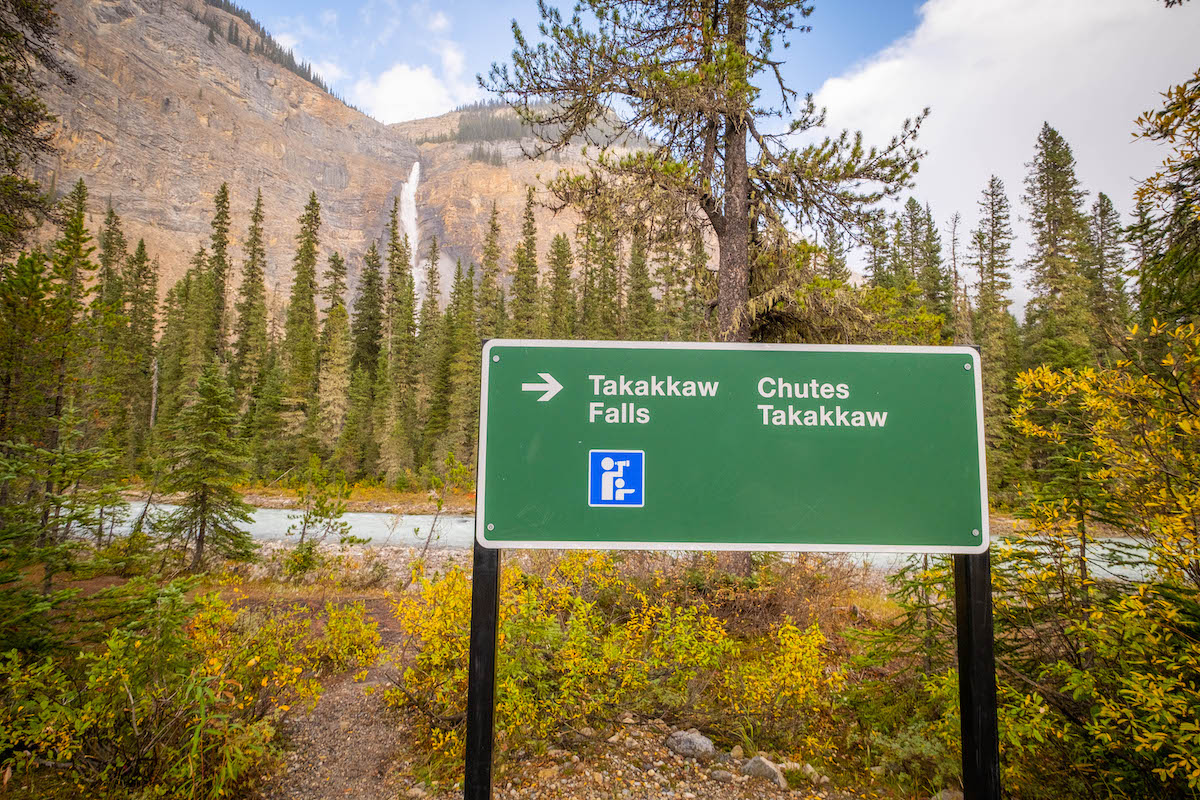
617,478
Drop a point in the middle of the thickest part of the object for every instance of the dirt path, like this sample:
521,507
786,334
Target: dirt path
349,744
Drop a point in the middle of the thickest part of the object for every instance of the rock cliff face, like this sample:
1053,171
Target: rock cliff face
160,115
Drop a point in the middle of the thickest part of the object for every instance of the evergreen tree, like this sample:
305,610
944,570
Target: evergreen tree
1058,319
961,321
356,451
28,54
561,306
140,286
640,322
113,252
589,300
491,316
524,299
908,237
250,343
71,273
441,386
264,424
463,412
207,461
300,328
833,262
367,329
991,245
931,274
878,253
430,338
396,389
218,268
105,405
1105,273
334,377
608,284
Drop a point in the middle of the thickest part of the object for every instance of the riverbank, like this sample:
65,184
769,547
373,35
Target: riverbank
368,499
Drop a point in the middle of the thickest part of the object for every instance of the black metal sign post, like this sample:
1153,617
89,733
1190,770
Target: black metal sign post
481,673
977,676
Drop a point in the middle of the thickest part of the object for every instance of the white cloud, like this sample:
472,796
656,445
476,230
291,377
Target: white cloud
331,71
438,22
406,92
288,41
329,18
993,72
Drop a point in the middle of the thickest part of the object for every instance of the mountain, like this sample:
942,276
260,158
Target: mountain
163,110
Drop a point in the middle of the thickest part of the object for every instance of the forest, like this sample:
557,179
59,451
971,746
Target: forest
138,656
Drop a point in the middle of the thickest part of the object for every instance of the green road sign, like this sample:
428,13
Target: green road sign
665,445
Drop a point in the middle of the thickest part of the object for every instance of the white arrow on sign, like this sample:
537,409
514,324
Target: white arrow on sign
551,387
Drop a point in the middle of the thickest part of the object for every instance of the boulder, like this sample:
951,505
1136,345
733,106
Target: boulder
759,767
691,744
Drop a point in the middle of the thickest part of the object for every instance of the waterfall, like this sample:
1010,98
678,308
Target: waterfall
408,210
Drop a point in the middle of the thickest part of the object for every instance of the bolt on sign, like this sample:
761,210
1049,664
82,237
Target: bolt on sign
669,445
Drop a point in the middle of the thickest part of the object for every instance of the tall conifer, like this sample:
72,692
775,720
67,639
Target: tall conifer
561,309
300,328
1058,319
523,303
250,342
367,329
640,322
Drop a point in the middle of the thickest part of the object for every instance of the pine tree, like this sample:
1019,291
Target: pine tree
878,265
908,236
1105,273
561,307
140,287
833,262
491,316
463,412
931,273
356,451
640,322
1058,319
441,384
250,343
334,377
589,300
113,252
991,246
429,341
300,328
367,330
961,323
524,299
105,405
395,418
608,284
71,273
218,267
207,460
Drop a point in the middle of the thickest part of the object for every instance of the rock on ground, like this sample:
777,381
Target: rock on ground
759,767
691,744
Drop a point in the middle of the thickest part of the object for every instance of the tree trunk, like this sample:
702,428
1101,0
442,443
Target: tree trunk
733,276
198,558
733,237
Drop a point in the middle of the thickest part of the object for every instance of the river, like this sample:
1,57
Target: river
457,531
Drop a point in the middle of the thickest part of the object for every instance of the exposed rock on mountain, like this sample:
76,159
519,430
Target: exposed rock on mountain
161,113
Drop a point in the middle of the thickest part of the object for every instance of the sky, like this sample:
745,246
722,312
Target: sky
991,73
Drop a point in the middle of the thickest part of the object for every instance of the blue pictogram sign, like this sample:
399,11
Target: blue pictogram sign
617,478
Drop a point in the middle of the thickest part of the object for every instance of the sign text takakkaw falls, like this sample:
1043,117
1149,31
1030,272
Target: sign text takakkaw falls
713,446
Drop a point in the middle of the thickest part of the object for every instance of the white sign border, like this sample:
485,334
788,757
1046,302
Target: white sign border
786,547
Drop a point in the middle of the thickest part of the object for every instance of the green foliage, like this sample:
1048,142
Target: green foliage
207,460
